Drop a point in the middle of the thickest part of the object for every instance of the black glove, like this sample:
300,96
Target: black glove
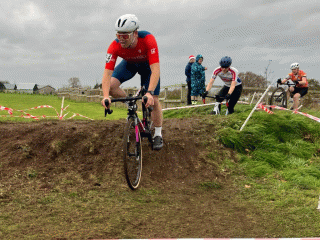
228,96
279,81
205,94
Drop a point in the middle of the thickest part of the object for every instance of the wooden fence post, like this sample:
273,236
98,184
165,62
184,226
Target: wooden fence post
183,93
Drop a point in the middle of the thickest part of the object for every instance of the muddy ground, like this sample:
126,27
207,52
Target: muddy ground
94,148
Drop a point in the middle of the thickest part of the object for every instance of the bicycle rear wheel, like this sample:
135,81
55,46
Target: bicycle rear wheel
132,157
279,97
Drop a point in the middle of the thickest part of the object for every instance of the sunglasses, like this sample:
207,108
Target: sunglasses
123,35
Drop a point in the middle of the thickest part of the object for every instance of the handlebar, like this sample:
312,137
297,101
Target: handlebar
126,99
214,97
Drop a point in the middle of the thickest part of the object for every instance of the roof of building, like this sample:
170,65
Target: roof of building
43,86
9,86
25,86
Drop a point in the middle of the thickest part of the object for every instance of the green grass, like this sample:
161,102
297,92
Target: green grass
26,101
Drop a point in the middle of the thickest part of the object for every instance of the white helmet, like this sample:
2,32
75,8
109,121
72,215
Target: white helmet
127,23
294,66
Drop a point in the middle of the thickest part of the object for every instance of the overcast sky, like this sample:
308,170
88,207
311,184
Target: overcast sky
48,42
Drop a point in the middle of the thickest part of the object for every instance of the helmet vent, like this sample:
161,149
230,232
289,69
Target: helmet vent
123,22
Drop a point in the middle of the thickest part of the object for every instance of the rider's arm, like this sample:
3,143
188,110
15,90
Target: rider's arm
284,80
303,80
154,79
155,75
210,84
231,89
106,80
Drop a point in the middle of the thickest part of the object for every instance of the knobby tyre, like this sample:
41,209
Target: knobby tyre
132,154
148,123
279,97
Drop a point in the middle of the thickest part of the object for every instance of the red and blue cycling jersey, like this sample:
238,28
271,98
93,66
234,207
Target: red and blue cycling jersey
145,51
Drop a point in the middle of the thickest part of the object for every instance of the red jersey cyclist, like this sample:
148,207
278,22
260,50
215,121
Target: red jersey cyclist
139,53
301,88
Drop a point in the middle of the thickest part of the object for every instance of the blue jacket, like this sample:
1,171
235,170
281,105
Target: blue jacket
188,71
198,78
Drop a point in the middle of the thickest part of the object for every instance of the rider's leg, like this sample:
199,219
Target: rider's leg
296,98
156,114
123,72
234,98
115,90
220,96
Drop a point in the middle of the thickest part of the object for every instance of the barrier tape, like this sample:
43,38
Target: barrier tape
264,108
28,115
10,110
200,105
77,114
293,111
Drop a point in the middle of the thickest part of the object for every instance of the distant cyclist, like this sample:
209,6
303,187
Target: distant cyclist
232,88
139,51
301,88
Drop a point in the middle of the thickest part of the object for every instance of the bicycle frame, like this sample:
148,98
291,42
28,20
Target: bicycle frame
131,101
134,132
216,105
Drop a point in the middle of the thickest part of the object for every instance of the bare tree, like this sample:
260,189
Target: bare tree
314,84
74,82
251,79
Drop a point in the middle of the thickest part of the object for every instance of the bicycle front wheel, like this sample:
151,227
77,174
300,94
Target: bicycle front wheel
132,157
279,97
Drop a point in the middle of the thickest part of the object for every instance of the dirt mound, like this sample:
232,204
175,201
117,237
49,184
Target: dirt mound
95,149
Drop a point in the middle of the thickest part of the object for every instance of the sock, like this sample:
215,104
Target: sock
157,131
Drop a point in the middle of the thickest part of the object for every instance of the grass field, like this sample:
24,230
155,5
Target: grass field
26,101
278,172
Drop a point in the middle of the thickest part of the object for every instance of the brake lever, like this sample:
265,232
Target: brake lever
108,110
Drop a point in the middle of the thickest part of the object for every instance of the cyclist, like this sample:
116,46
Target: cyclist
301,88
232,84
139,53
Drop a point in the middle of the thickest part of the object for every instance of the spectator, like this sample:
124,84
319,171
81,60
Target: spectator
188,80
198,79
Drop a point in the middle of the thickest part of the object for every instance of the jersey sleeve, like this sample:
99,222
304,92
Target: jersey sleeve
111,56
216,72
153,52
289,77
303,74
234,73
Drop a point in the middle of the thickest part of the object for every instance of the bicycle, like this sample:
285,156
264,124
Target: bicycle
134,133
279,95
216,109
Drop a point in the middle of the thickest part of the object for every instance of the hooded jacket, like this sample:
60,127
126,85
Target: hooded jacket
197,77
188,71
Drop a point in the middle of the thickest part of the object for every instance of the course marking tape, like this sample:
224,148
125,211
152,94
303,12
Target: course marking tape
77,114
265,108
28,115
200,105
297,112
10,110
